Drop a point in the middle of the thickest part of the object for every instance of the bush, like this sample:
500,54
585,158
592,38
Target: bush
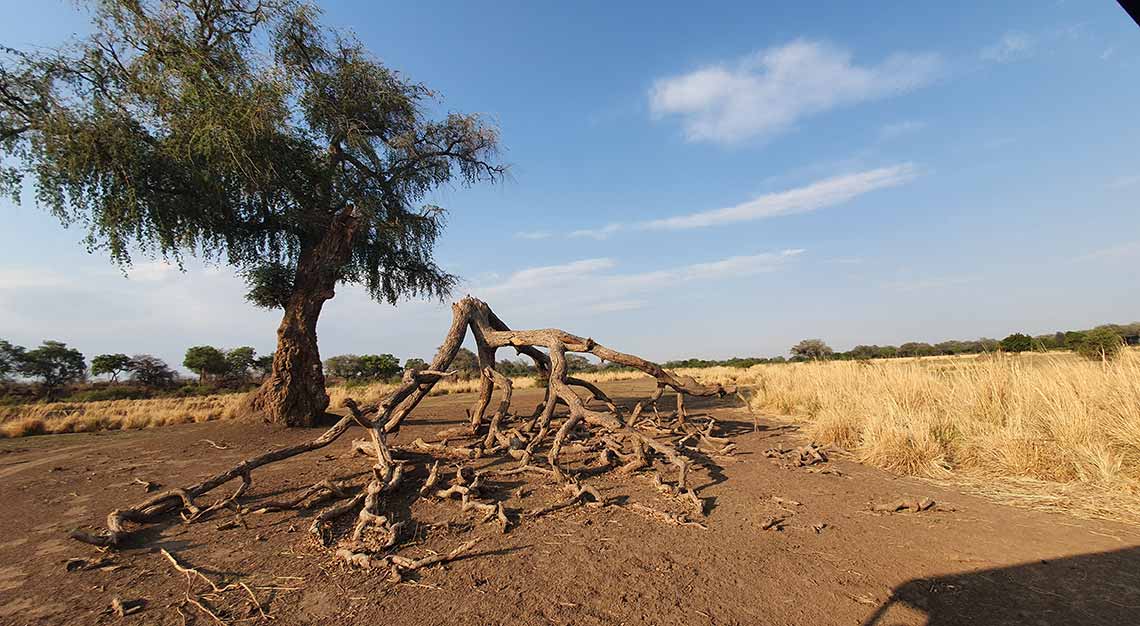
109,393
1100,344
1017,342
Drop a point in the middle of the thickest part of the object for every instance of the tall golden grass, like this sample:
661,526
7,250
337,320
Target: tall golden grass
78,417
1039,422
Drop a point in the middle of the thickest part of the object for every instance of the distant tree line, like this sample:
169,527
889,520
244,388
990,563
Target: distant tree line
54,367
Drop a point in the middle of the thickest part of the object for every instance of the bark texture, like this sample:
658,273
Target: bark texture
294,392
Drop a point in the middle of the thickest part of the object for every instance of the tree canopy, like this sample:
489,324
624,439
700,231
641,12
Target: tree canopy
111,364
237,130
54,364
811,349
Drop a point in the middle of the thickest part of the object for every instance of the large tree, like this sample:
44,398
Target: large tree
246,133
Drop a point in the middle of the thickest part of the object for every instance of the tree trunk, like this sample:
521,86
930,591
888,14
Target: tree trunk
294,392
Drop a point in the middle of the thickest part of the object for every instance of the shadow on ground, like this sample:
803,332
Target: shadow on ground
1098,588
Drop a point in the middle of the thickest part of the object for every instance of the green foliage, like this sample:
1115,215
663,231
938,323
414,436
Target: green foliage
206,362
270,285
415,365
54,364
10,357
243,131
367,367
151,371
811,349
238,363
113,364
1017,342
916,348
262,365
466,363
1101,343
1074,339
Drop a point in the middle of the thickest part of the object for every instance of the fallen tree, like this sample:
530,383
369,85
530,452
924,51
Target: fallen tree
628,443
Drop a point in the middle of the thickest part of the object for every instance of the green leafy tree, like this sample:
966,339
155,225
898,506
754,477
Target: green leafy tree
466,363
263,365
1100,343
379,366
415,365
111,364
10,357
811,349
1017,342
151,371
55,365
238,363
206,361
916,348
1074,339
243,131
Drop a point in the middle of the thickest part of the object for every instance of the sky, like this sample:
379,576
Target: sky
710,181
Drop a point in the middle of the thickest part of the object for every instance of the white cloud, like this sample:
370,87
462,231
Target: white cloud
534,234
898,129
550,275
1107,54
588,285
598,233
767,92
1013,46
154,271
818,195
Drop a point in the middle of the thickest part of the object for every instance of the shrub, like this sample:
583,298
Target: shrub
1017,342
1100,344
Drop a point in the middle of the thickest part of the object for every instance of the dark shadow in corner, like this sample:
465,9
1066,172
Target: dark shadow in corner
1097,588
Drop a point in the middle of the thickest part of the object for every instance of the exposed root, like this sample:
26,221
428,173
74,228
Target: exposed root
675,519
914,505
592,435
578,494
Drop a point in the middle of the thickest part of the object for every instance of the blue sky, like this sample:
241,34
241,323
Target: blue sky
704,182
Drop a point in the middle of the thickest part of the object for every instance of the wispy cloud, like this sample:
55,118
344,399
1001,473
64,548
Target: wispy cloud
598,233
898,129
1013,46
818,195
533,234
550,275
765,93
1117,251
591,285
1124,182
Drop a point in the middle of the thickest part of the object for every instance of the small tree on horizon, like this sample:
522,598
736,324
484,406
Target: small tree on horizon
55,365
245,132
1017,342
811,349
10,356
151,371
112,364
206,361
1100,344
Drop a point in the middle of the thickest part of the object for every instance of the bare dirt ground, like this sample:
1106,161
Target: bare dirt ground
966,561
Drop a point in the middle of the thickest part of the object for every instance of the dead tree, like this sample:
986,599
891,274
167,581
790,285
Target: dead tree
614,435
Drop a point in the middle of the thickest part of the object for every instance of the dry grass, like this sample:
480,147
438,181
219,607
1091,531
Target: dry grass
80,417
1054,431
1044,430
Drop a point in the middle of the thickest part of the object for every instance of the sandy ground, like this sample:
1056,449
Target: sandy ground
967,561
